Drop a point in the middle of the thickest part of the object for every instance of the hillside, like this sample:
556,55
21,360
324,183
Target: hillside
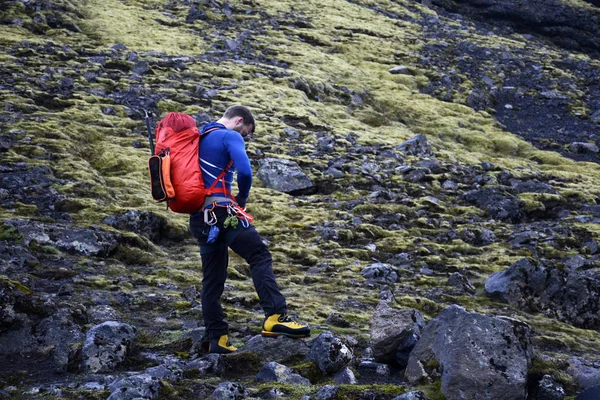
501,108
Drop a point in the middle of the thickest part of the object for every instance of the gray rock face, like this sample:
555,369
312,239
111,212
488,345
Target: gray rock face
229,391
565,294
478,356
585,372
106,346
498,204
329,353
380,273
390,328
276,349
416,146
60,332
284,176
274,372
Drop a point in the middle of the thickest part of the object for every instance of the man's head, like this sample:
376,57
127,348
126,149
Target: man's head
239,119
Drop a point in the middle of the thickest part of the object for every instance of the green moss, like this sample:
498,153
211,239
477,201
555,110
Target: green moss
10,233
557,369
17,285
133,256
352,392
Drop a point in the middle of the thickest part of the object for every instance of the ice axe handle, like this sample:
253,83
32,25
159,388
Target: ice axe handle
149,132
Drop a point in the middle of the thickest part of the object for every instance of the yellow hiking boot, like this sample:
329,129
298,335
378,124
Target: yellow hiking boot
221,345
282,324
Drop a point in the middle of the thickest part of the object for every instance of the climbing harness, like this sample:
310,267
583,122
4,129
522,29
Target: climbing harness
235,215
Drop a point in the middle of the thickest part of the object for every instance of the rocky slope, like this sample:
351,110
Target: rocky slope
427,182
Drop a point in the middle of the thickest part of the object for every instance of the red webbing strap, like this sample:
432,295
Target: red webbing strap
221,178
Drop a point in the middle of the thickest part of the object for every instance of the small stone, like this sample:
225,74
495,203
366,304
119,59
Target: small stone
141,67
508,106
450,185
400,70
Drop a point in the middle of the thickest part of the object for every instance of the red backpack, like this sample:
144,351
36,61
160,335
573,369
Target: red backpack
175,172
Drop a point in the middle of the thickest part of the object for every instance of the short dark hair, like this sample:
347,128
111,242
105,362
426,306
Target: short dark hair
241,111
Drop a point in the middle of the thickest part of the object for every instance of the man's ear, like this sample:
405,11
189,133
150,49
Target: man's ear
239,121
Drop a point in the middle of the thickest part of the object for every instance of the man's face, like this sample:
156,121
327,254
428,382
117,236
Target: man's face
244,129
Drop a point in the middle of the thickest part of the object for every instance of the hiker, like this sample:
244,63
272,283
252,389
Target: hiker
221,224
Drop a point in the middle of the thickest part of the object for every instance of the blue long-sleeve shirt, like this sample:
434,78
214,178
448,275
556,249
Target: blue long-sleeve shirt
216,150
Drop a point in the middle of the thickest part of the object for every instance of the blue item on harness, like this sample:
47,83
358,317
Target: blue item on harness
213,233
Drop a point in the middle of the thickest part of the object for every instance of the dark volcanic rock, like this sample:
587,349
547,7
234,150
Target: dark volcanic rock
394,330
284,176
380,273
89,242
61,333
562,293
229,391
498,204
549,389
140,222
478,356
568,25
329,352
106,346
276,349
416,146
418,395
274,372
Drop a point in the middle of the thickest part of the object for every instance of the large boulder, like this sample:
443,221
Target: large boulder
478,356
284,175
563,293
393,330
107,345
329,352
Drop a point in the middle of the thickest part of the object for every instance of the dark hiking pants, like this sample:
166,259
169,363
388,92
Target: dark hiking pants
247,243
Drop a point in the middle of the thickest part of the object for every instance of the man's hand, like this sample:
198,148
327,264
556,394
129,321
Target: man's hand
241,201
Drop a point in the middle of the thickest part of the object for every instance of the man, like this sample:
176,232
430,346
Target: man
213,229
